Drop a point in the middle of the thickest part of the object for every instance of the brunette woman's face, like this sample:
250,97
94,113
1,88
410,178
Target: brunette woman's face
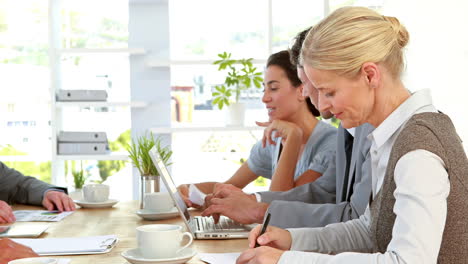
280,97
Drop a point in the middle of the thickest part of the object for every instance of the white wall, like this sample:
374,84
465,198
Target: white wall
437,55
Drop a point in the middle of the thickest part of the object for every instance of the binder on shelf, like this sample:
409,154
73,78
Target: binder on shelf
88,137
81,95
82,148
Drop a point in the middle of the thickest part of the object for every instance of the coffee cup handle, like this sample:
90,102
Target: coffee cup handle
188,244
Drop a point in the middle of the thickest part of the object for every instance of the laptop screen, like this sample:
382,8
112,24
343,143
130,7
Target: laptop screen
171,187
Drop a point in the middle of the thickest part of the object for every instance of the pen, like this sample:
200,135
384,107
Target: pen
264,227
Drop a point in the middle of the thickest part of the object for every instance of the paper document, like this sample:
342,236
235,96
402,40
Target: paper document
219,258
64,261
195,195
39,215
70,246
23,230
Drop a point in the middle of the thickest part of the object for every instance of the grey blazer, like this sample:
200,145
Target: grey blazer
325,200
17,188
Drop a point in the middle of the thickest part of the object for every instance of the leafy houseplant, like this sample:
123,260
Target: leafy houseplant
139,155
241,75
79,178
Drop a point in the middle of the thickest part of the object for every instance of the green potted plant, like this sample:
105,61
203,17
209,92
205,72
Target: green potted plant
79,180
241,75
138,151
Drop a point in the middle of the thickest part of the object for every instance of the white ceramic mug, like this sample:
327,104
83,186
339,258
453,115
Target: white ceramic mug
158,202
161,241
34,261
96,193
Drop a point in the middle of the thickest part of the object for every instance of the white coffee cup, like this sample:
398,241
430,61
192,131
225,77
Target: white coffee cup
96,193
34,261
158,202
161,241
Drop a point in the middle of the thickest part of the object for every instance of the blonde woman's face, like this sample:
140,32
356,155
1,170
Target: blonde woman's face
349,99
311,92
280,97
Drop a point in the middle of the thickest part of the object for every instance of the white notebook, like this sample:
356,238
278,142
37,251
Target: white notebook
23,230
70,245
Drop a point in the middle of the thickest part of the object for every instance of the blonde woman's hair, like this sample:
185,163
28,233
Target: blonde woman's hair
351,36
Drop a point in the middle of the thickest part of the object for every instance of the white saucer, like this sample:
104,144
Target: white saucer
106,204
154,215
133,256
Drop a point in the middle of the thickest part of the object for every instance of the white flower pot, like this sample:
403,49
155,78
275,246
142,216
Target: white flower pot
76,194
235,114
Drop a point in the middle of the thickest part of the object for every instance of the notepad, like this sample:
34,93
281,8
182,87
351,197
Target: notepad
71,245
23,230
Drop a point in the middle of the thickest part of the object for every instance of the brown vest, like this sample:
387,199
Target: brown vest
435,133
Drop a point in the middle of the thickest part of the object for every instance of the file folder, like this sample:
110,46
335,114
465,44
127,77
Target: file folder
88,137
81,95
83,148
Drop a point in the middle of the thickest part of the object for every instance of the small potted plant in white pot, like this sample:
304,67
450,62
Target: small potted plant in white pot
241,75
79,180
139,155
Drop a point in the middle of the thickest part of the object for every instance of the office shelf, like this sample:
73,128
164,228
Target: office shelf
79,51
24,158
111,156
201,128
101,104
166,63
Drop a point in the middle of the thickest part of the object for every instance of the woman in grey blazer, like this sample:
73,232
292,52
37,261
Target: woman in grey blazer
417,209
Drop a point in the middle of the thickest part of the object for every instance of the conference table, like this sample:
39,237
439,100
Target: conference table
121,220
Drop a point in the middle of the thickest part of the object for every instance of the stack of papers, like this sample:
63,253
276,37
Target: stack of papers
70,246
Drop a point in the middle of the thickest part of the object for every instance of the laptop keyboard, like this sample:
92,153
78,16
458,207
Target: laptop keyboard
224,224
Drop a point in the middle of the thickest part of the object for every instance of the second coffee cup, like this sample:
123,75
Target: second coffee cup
158,202
161,241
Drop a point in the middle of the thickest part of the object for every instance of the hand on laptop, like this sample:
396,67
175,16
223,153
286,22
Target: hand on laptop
6,213
236,205
10,250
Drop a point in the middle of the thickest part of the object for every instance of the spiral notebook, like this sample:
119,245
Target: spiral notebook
70,245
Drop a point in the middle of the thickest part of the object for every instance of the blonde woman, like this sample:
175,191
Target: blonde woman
418,207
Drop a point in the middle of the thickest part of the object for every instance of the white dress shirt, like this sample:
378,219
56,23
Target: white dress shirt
422,188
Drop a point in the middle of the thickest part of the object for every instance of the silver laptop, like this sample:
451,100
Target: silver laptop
200,227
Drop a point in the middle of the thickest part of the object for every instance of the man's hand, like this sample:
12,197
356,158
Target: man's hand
6,213
260,255
59,201
10,250
236,205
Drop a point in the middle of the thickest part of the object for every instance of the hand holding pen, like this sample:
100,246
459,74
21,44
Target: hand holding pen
264,235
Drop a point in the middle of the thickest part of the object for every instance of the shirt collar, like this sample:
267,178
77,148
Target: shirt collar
399,117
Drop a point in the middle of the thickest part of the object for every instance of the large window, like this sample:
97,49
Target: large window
24,104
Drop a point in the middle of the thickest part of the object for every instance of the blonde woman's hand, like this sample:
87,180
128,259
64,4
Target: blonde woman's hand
279,128
273,237
260,255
